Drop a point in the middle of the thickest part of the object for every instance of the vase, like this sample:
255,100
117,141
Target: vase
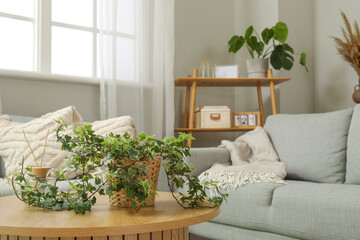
40,172
356,94
257,67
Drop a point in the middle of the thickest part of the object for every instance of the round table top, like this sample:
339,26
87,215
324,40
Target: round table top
19,219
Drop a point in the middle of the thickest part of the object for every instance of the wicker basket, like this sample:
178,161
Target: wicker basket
119,199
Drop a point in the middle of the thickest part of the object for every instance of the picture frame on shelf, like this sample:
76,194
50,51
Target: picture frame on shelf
227,71
245,119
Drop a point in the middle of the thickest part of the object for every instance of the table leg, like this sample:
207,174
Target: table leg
186,233
93,238
144,236
174,234
131,237
261,105
156,235
119,237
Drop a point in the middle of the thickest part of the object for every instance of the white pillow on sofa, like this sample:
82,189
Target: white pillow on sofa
13,146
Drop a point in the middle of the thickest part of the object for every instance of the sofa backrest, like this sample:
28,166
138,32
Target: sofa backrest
353,149
313,146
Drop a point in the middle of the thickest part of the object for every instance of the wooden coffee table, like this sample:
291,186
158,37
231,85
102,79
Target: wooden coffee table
165,220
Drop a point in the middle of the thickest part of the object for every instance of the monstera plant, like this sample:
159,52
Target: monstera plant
271,44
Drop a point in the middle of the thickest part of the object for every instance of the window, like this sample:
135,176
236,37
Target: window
17,41
62,37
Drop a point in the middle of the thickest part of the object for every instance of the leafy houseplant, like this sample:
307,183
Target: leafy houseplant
272,43
115,163
349,49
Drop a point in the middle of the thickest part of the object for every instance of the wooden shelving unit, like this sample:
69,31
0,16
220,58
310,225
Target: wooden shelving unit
191,83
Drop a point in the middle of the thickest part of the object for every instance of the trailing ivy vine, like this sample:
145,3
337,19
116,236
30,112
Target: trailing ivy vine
97,160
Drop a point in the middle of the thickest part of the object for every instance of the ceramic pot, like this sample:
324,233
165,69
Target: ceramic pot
40,172
257,67
356,94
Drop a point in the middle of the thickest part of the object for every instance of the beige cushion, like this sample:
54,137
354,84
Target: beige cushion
13,146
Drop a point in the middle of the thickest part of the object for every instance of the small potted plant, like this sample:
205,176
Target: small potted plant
39,171
272,44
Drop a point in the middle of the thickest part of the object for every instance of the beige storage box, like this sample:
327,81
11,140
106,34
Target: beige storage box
212,117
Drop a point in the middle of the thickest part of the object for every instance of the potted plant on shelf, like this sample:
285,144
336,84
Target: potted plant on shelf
122,167
272,43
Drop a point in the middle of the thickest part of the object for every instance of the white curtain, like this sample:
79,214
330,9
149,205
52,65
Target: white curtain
149,96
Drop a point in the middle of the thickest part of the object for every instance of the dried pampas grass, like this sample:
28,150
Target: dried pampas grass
349,48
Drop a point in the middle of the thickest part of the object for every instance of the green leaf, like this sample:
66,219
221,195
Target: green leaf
142,136
287,64
303,60
133,154
132,172
287,48
235,43
97,181
276,57
248,32
281,32
267,34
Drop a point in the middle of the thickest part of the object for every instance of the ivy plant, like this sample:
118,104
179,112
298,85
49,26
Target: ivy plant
97,161
271,43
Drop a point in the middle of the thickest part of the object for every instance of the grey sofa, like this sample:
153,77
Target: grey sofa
321,199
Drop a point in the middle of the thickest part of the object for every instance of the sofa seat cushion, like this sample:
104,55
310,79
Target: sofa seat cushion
313,146
316,211
248,206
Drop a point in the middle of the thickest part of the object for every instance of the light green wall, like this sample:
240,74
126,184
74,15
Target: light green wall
202,29
335,79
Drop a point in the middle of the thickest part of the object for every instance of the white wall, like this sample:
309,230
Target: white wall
36,97
335,79
202,30
297,95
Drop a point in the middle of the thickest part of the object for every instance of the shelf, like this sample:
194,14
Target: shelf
228,82
245,128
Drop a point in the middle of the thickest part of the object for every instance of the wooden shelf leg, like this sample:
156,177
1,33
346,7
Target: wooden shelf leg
192,104
261,105
273,98
187,102
272,92
190,140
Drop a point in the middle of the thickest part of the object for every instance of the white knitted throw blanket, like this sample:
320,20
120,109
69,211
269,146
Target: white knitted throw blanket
254,160
13,146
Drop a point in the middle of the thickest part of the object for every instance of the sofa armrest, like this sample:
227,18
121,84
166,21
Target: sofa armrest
204,158
2,168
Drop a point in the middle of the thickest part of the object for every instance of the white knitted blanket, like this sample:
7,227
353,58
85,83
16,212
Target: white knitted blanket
13,146
254,160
